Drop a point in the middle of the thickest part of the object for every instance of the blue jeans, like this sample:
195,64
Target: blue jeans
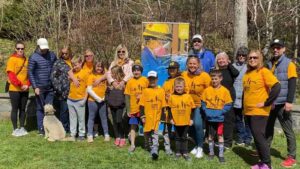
63,113
242,126
94,108
197,130
45,97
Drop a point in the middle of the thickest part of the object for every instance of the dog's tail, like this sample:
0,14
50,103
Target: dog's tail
68,139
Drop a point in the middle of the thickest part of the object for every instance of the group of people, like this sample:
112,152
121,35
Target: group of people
208,101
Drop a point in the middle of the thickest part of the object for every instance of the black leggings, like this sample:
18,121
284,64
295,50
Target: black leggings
181,139
117,115
18,104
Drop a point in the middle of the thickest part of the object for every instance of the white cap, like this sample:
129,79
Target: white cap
43,43
152,74
197,36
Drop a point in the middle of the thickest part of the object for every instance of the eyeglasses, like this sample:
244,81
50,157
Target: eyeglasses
121,51
88,56
64,53
253,57
20,48
199,41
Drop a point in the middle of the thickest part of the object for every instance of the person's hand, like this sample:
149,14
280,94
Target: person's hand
260,105
272,106
37,91
172,121
168,96
288,107
24,87
76,82
122,84
143,120
99,100
115,84
191,122
97,82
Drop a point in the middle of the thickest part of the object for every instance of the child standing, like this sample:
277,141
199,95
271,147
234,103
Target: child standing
181,114
96,103
173,71
116,101
133,91
76,100
216,101
151,104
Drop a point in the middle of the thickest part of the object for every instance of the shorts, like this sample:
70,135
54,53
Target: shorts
134,119
215,128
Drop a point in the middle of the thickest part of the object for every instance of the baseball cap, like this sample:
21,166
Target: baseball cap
277,42
173,65
197,36
137,67
152,74
43,43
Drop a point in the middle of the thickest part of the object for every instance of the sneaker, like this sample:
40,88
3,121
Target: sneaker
41,133
240,144
187,157
289,162
154,156
81,138
199,153
264,166
177,156
254,154
16,133
131,149
210,157
221,159
256,166
169,152
194,151
117,141
23,131
71,138
106,137
90,139
95,133
122,142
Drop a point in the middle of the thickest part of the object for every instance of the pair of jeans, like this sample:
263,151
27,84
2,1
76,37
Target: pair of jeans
45,97
242,127
229,123
62,107
18,102
285,119
77,117
94,109
197,129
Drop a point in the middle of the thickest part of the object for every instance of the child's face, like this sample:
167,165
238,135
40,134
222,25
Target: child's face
76,66
137,73
216,81
179,87
173,72
152,82
98,69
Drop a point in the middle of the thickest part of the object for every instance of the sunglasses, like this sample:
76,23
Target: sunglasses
20,48
199,41
277,47
253,57
242,55
121,51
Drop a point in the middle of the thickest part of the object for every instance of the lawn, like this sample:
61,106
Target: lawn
33,151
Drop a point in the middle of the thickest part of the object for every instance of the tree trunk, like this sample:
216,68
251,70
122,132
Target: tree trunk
240,24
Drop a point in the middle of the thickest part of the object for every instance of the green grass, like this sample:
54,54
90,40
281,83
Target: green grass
33,151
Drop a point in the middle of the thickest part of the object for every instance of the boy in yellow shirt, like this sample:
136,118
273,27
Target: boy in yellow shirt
151,104
133,91
76,100
216,101
181,114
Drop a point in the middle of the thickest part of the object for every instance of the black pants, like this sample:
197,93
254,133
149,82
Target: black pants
285,119
117,115
229,123
181,139
18,104
258,126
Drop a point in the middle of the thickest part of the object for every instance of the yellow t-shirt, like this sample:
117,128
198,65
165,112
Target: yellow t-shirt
99,89
134,88
14,64
181,108
291,72
196,85
153,100
68,62
78,93
256,85
216,98
88,68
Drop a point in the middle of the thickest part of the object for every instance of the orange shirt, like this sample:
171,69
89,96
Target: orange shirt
99,89
216,98
78,93
196,85
134,88
68,62
153,100
15,65
256,85
88,68
181,108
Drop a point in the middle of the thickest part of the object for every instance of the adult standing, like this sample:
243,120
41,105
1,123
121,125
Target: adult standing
205,55
39,72
16,70
196,80
61,84
285,71
244,136
261,88
229,74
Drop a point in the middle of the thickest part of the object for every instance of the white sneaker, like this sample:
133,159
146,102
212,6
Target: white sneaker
106,137
16,133
199,153
90,139
194,151
23,131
